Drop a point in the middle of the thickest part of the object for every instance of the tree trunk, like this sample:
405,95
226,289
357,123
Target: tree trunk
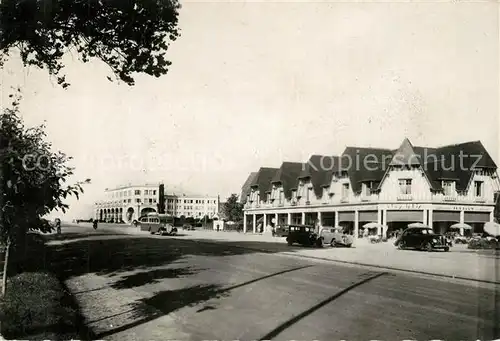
3,227
5,268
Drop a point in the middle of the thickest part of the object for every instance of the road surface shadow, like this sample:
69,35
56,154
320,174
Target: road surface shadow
278,330
167,301
134,261
67,236
126,253
150,277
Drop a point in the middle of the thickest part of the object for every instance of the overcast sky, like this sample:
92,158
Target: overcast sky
254,84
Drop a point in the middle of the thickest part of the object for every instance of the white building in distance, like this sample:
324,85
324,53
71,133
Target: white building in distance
192,206
127,203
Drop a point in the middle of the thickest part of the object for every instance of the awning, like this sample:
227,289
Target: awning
448,216
405,216
346,216
368,216
476,217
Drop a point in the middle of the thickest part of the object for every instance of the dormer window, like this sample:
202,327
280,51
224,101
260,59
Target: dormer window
447,187
300,191
367,187
478,188
405,186
345,190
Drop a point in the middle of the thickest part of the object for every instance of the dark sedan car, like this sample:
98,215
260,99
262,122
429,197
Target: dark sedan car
304,235
422,238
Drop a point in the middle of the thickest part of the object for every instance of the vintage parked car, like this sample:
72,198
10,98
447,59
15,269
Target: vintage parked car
336,236
188,227
422,238
158,223
303,235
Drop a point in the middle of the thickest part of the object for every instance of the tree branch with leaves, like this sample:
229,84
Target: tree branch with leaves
130,36
33,179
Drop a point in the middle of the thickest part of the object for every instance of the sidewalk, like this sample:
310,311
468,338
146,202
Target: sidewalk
460,262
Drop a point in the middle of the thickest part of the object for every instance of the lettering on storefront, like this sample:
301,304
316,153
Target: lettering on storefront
462,208
403,206
359,208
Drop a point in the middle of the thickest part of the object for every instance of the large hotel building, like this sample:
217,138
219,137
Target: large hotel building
128,203
435,186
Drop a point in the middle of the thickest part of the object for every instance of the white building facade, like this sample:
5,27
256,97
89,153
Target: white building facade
435,186
127,203
191,206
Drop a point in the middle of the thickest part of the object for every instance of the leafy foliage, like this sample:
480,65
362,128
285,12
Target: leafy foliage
130,36
232,209
33,176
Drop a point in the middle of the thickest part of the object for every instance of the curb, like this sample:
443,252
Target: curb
418,272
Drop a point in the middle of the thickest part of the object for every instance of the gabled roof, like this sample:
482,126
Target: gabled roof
332,165
263,180
453,162
245,189
408,155
405,155
319,169
365,164
287,175
456,162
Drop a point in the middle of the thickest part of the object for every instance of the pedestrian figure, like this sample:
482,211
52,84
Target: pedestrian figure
58,225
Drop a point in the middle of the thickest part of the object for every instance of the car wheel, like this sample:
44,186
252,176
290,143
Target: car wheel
332,243
428,247
289,242
446,249
401,245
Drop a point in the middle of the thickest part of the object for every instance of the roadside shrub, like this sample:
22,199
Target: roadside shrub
483,243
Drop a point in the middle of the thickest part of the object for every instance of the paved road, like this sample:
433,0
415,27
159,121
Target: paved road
147,288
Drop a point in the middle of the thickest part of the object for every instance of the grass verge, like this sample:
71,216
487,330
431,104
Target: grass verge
37,305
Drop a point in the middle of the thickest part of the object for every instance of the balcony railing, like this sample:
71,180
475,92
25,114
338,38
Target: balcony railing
344,199
450,198
480,199
366,197
405,197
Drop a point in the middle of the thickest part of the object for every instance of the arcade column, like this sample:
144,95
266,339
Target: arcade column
245,223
